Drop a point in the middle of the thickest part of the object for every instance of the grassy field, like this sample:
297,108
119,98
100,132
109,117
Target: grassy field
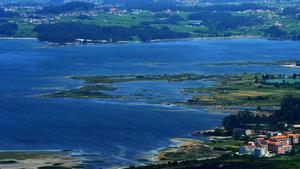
25,30
129,20
241,90
228,144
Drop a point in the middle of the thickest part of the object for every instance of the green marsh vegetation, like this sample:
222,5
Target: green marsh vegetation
245,90
230,90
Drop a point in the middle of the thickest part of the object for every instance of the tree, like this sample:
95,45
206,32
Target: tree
289,112
8,29
275,32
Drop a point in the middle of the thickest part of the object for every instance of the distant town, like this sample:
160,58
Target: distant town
102,21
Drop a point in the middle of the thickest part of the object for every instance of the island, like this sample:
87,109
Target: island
229,92
95,86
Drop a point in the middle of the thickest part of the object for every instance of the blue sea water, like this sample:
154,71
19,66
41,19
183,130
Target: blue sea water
119,131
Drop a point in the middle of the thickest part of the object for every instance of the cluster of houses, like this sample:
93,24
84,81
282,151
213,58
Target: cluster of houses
268,143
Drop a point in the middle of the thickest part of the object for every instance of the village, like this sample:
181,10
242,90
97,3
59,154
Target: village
259,143
268,143
31,14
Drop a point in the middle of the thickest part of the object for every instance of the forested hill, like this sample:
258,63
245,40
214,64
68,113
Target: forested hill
68,7
70,32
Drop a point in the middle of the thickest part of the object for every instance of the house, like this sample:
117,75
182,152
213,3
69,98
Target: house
255,148
273,133
277,144
294,138
279,148
281,139
296,126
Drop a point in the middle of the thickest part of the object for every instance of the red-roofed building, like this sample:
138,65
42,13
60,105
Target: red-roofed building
294,138
279,148
281,139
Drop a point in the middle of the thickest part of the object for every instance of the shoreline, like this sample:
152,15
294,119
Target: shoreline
18,38
138,41
292,66
152,156
234,37
183,149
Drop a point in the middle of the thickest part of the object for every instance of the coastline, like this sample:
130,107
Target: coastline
292,66
183,149
153,156
137,41
20,38
176,142
55,44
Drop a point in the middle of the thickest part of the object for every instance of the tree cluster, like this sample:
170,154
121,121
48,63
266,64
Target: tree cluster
288,113
222,21
69,32
68,7
277,33
8,29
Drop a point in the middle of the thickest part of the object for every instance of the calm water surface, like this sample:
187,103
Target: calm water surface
116,131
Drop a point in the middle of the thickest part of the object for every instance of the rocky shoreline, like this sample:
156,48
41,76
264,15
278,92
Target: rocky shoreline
187,149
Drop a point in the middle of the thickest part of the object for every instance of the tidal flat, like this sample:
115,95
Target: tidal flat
95,86
248,90
39,160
